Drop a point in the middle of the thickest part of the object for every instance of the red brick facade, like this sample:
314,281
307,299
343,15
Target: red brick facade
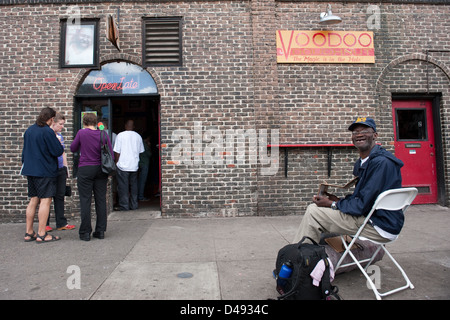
230,80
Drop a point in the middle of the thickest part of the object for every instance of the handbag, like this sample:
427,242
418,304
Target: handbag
108,164
68,192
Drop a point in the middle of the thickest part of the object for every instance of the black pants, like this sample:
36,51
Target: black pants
127,188
58,199
92,179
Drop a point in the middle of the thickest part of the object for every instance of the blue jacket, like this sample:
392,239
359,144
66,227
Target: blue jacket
380,173
41,149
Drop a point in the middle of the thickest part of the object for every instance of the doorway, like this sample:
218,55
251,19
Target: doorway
112,112
416,145
144,111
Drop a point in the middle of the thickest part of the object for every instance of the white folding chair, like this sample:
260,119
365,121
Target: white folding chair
394,199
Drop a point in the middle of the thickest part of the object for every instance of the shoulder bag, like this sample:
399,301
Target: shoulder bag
108,164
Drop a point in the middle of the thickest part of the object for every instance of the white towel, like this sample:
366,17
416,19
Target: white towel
318,271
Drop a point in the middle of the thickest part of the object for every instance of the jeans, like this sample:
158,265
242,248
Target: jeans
142,180
127,189
92,179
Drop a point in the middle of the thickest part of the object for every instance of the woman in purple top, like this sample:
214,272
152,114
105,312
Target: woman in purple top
91,178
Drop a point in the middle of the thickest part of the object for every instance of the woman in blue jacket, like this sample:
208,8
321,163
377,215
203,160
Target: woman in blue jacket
41,149
377,170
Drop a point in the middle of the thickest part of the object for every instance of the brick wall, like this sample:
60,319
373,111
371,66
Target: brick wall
229,81
318,101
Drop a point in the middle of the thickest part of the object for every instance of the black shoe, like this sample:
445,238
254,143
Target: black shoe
85,236
99,234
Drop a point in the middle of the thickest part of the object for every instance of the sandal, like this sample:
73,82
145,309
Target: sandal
53,238
32,237
67,227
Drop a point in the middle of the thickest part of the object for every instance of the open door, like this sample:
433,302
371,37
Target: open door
116,92
101,108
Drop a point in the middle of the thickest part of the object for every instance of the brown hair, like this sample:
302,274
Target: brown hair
59,116
46,114
90,119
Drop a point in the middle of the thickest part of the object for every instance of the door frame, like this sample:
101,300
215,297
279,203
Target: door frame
435,99
77,100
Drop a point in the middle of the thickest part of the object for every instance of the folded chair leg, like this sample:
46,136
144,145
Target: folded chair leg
405,277
372,285
346,246
372,258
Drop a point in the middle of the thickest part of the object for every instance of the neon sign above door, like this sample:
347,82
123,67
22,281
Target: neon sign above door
100,85
118,78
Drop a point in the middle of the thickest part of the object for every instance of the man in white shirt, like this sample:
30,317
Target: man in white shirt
127,147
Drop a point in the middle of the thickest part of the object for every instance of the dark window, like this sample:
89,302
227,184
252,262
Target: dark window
412,124
161,43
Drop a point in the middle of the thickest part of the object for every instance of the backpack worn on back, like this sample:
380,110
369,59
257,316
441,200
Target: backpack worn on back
303,258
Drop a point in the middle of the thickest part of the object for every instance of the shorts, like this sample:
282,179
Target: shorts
41,187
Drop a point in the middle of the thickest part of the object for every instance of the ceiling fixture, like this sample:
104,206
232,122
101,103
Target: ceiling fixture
328,18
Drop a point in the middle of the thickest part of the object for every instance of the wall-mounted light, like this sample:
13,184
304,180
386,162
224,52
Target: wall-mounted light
328,18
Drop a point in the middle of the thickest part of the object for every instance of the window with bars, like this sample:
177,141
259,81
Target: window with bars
161,43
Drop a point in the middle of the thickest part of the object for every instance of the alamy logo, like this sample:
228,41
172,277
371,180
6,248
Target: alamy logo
74,16
375,275
74,280
374,19
214,147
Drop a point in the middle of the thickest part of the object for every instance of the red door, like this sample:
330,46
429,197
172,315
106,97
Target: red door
415,146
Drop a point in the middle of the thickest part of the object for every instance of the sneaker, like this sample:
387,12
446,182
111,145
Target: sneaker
48,229
67,227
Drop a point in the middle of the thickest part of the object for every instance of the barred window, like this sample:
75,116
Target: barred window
161,43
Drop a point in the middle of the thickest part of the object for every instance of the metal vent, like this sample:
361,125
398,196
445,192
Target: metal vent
162,42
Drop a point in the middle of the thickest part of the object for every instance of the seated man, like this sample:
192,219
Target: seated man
377,171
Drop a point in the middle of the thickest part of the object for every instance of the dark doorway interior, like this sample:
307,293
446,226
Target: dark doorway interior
145,114
113,112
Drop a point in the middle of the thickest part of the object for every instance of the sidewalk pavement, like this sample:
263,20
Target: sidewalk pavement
144,256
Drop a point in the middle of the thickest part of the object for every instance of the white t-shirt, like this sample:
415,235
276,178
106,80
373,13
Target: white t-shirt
129,144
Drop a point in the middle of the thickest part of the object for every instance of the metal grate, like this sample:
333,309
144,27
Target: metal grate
424,189
162,42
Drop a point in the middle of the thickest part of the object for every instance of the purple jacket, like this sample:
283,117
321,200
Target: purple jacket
87,141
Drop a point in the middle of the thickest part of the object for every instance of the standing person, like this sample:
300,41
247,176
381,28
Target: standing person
106,129
144,164
91,178
127,149
377,170
40,153
63,173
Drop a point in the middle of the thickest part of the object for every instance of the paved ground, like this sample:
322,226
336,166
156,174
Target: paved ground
145,256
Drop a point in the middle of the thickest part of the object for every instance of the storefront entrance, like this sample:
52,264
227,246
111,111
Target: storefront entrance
118,92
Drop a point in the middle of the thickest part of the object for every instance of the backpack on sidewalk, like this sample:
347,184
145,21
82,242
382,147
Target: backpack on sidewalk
302,258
